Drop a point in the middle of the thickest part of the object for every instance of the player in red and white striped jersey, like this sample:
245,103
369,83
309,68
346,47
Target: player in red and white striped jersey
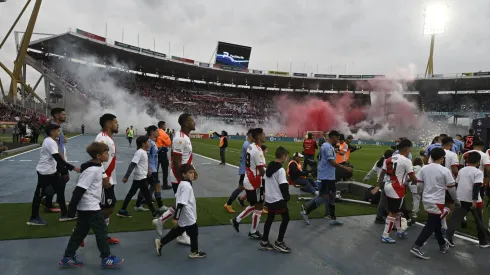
397,167
254,171
181,154
110,126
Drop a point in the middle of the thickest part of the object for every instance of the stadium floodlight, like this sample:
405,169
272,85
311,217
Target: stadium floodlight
435,19
434,23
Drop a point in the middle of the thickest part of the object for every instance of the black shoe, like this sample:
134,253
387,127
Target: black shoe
235,225
379,220
450,242
444,248
281,247
265,246
166,187
255,236
123,214
417,251
156,214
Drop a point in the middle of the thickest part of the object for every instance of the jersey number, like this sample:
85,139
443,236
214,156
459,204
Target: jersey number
247,160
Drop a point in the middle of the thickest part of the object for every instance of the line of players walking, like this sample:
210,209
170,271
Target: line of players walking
93,199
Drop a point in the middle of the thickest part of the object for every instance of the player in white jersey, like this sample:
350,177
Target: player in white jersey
398,167
110,126
181,154
434,179
254,171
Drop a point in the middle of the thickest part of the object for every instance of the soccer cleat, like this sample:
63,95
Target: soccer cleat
265,246
235,225
123,214
140,209
387,240
184,239
159,227
336,222
417,251
228,208
197,255
158,247
70,262
37,221
111,261
241,202
256,235
401,234
304,215
163,208
484,245
112,240
444,248
66,218
379,220
281,246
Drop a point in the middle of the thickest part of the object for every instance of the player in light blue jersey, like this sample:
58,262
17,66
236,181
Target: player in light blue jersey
458,146
326,175
436,143
241,173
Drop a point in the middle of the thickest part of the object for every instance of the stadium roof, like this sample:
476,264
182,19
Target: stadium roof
80,45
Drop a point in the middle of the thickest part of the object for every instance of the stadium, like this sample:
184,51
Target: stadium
88,75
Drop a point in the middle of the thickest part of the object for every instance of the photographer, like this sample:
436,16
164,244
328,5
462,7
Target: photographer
297,176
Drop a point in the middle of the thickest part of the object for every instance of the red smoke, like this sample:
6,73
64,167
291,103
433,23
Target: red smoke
313,114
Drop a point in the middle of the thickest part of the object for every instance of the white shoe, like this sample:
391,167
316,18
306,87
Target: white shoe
317,193
184,239
158,226
163,208
140,209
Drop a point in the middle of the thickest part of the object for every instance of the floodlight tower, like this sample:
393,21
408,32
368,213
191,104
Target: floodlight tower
434,23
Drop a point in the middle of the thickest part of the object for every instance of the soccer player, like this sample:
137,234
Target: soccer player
181,154
255,170
86,201
140,182
241,173
59,117
185,215
470,182
277,189
326,175
436,143
434,179
397,168
47,177
110,126
152,151
458,145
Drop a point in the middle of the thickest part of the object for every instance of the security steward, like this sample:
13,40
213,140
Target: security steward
309,150
296,175
223,144
163,143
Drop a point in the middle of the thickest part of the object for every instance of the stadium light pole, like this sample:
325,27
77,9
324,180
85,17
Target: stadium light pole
434,23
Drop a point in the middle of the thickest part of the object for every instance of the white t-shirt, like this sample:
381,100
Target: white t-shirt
110,165
141,160
436,179
47,164
181,145
91,180
397,169
485,160
185,196
272,186
254,160
467,177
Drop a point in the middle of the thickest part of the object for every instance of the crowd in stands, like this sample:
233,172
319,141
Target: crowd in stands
22,121
457,103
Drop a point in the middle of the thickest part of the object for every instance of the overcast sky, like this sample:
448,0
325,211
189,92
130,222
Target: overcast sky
344,36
